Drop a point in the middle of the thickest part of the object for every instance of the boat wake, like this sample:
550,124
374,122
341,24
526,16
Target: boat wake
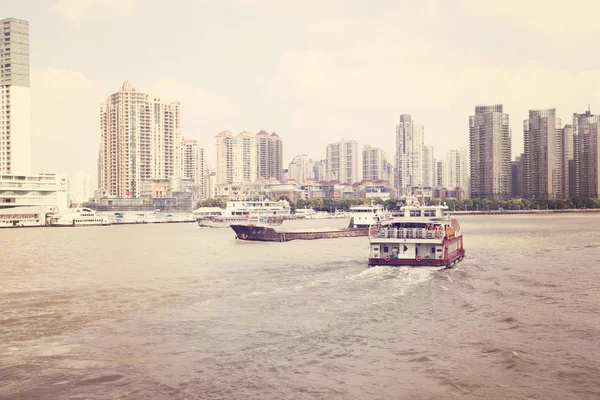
399,279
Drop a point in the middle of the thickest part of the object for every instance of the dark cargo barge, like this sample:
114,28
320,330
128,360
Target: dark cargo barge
266,234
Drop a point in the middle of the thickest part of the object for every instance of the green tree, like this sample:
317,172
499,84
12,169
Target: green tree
292,204
220,202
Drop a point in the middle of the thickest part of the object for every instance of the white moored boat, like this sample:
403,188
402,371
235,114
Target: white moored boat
366,216
417,237
80,217
247,212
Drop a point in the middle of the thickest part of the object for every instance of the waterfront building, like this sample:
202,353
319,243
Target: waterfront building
457,166
428,167
320,170
301,168
542,165
270,155
586,129
376,165
140,136
516,172
342,162
236,158
441,174
409,153
568,162
192,166
46,190
15,98
490,153
80,187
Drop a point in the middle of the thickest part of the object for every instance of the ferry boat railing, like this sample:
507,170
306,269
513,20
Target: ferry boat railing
406,233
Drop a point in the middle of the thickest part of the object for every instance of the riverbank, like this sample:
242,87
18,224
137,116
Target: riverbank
504,212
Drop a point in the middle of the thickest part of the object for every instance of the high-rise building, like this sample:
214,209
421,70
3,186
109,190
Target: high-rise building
516,172
236,158
428,167
342,162
457,169
191,165
15,98
270,155
542,163
586,138
441,174
301,169
320,170
376,165
80,187
490,153
409,153
569,172
140,136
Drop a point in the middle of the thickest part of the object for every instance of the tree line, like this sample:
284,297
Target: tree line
331,205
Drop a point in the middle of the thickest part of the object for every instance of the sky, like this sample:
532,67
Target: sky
314,71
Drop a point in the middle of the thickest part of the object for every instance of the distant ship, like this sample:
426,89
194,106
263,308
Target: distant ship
418,236
79,217
244,212
362,217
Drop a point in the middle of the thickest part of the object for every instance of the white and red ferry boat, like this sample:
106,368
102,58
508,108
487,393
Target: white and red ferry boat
418,236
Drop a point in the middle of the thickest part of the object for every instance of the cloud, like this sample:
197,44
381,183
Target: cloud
204,113
65,121
366,70
78,9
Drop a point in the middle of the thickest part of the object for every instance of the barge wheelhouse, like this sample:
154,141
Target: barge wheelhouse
417,237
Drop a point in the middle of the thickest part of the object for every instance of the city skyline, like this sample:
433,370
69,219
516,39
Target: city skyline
300,84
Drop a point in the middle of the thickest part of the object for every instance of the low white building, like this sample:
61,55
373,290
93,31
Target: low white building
29,198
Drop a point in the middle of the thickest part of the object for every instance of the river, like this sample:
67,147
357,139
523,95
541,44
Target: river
176,311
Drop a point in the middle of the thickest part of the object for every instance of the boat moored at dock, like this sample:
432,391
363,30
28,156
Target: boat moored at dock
80,217
417,237
245,212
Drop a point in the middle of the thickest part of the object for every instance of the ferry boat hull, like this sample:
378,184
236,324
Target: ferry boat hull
266,234
405,262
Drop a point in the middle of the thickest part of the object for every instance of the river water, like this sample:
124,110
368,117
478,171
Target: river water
177,311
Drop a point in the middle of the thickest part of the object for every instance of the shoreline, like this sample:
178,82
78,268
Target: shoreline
508,212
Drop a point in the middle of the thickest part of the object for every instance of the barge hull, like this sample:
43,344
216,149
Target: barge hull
266,234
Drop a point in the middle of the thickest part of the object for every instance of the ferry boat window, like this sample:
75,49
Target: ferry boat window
433,249
385,249
415,213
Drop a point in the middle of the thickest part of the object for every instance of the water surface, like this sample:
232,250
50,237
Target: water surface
176,311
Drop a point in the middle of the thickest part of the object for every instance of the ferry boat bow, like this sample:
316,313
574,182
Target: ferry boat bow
419,236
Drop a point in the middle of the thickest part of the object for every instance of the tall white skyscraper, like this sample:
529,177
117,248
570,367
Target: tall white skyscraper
440,174
542,163
80,187
15,98
270,155
586,137
139,141
428,166
320,170
301,169
409,153
457,165
490,153
191,162
342,162
376,165
236,157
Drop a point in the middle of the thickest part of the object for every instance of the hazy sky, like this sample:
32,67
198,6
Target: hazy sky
312,71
